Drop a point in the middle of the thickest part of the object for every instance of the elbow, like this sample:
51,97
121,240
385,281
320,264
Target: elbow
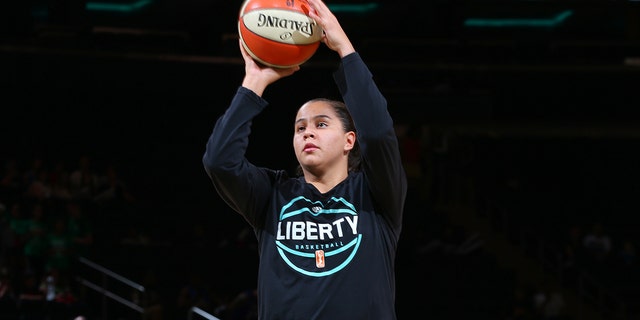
211,161
217,164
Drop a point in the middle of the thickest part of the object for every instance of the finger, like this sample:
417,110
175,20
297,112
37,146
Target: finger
243,51
289,71
319,9
318,6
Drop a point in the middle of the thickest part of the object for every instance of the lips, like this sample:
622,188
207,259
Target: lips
309,147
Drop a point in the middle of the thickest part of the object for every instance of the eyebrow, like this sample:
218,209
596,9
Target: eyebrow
323,116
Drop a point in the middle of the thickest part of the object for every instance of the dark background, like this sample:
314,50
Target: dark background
551,107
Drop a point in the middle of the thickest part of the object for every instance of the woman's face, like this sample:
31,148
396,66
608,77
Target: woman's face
319,139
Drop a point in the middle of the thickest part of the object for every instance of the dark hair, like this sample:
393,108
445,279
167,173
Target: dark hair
347,124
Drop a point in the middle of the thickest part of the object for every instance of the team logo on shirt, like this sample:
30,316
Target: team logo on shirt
318,239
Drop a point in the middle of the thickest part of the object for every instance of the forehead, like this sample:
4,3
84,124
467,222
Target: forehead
313,109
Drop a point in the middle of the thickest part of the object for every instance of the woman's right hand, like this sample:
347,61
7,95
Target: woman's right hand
258,76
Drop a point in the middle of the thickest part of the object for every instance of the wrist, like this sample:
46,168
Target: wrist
254,84
343,52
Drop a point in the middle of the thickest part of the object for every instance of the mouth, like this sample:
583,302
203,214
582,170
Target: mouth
309,147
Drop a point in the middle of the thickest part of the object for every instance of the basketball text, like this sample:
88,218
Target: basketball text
305,27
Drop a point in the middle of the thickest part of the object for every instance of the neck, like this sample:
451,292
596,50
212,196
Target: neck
325,182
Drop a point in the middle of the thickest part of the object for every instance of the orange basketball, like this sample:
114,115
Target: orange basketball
278,33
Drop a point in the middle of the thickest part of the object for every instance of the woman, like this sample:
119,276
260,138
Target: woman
327,239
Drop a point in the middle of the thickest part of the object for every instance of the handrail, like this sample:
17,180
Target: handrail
112,274
103,289
110,294
200,312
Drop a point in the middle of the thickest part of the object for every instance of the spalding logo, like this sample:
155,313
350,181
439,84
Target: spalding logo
318,239
282,26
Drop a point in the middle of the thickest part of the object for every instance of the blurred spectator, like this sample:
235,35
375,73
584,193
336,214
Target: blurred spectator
135,236
8,296
521,307
597,243
549,304
114,188
627,255
79,228
572,255
60,243
38,185
36,244
31,300
151,299
60,183
410,138
194,293
34,171
452,241
83,181
11,185
17,235
243,307
61,301
6,235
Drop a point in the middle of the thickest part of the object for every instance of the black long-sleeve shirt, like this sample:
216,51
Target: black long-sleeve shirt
322,256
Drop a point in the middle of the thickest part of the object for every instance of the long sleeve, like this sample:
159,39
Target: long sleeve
381,158
243,186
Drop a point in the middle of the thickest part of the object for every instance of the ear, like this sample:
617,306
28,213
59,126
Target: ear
350,140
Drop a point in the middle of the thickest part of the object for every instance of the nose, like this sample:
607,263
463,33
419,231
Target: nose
308,134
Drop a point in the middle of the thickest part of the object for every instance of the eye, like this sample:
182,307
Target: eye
300,128
322,124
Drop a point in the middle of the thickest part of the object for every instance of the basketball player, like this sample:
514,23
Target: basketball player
327,239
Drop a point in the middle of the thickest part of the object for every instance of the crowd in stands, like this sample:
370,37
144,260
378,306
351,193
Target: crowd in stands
575,196
47,217
52,212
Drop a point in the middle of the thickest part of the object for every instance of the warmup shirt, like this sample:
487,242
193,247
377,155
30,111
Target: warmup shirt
322,256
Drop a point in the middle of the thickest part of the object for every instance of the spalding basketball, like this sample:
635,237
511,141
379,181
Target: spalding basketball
278,33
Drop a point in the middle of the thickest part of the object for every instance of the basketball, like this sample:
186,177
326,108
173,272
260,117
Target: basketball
278,33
